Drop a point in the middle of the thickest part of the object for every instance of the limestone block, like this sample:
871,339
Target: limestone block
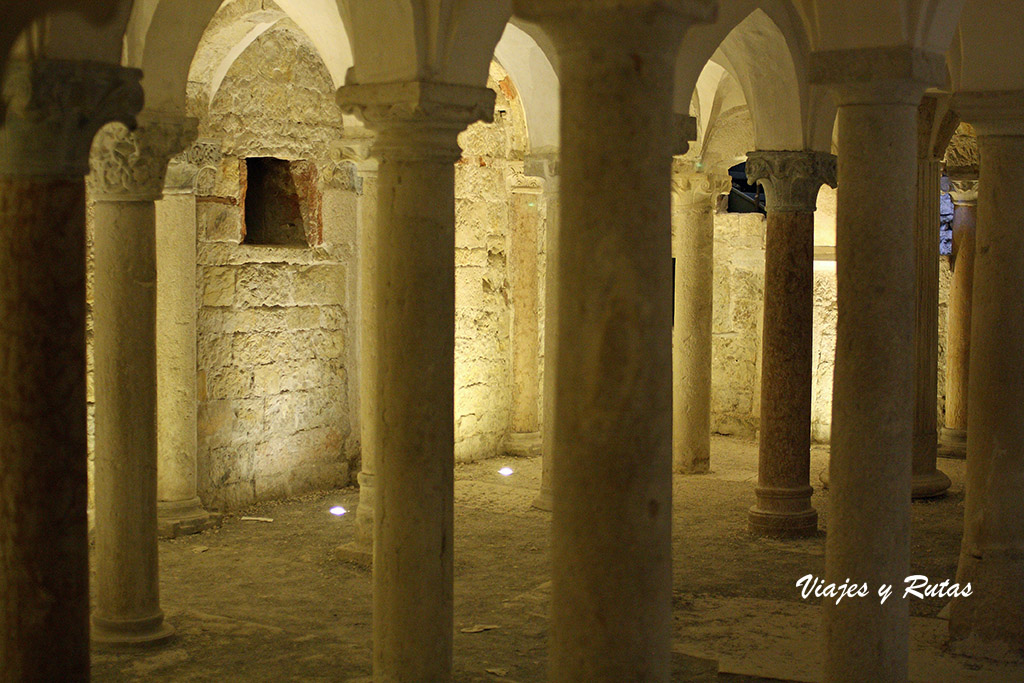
228,382
219,222
332,318
218,286
319,285
265,285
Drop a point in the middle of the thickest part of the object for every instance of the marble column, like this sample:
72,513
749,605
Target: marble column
545,167
878,91
355,149
791,180
179,510
612,464
935,126
413,333
992,551
127,178
694,198
962,169
54,109
524,218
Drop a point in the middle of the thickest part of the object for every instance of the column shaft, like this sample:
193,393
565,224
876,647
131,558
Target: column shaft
958,343
124,311
612,457
927,480
694,216
552,213
784,451
44,554
868,537
413,332
525,219
791,180
992,553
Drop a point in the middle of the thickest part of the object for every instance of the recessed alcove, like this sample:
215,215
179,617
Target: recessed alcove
281,203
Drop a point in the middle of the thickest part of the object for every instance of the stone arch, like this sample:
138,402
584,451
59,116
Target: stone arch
533,73
163,36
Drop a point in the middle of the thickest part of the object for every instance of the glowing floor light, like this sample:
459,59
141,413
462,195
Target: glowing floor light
505,471
338,511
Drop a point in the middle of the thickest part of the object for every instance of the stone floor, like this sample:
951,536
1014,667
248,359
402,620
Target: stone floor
268,601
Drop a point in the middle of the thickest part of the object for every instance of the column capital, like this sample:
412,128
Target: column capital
131,165
964,191
55,108
878,75
962,154
997,112
695,187
417,120
521,182
194,171
791,179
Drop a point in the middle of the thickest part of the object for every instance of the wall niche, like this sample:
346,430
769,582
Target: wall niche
282,203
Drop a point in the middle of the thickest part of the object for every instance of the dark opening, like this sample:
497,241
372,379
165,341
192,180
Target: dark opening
744,197
273,207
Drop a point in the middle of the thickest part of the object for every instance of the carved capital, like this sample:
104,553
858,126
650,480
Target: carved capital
131,166
964,191
523,183
962,154
194,171
55,108
997,112
936,124
695,188
417,120
791,180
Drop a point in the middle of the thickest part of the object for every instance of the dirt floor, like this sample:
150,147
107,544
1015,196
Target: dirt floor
269,601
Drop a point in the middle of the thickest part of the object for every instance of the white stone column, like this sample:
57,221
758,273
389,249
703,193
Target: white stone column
694,199
179,510
791,180
355,148
612,455
992,552
525,193
413,331
878,91
54,109
545,167
935,126
962,168
127,178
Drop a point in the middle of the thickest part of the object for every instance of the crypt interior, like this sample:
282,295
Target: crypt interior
521,340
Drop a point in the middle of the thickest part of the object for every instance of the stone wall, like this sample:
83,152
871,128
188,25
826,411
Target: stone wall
276,377
483,372
738,312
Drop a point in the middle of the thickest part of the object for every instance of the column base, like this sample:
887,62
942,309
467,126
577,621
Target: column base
929,485
953,443
184,517
544,500
783,513
523,444
108,634
357,553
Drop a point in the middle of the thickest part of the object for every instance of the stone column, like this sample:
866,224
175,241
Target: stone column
694,196
127,178
791,181
413,333
992,552
962,169
355,149
545,167
612,465
525,216
179,510
878,91
53,110
935,125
